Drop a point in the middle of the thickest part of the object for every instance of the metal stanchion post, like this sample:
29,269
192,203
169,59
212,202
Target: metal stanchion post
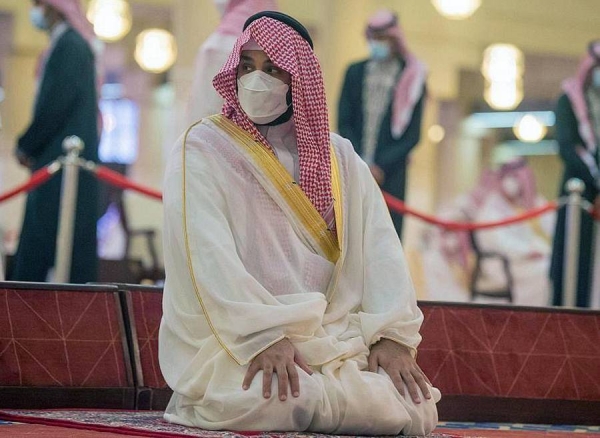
68,203
575,187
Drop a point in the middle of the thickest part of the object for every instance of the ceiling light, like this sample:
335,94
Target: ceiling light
502,62
503,95
111,19
456,9
155,50
530,129
436,133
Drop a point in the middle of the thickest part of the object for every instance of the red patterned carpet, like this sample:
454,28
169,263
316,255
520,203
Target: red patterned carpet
137,423
36,430
32,430
86,423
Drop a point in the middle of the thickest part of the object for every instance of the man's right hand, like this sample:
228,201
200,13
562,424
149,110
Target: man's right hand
280,358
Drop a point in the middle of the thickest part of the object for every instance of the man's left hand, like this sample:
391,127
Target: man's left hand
397,361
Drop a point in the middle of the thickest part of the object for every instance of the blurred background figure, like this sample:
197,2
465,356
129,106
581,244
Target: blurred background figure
525,245
578,132
2,274
213,53
381,105
509,262
447,256
2,94
66,104
447,261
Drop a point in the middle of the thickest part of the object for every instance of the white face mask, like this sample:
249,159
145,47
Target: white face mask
37,18
511,187
262,97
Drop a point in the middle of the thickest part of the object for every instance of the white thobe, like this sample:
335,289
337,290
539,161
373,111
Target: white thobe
445,278
527,249
244,272
282,139
212,55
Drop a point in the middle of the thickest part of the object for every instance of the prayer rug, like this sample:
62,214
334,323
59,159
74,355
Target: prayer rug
141,423
41,431
151,424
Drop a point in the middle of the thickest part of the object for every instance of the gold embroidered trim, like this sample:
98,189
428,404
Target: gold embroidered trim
336,187
288,188
269,345
189,254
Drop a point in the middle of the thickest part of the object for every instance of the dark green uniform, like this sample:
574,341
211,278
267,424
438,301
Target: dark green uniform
568,137
67,104
391,155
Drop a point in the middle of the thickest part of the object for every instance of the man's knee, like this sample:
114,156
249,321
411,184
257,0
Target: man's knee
293,413
424,415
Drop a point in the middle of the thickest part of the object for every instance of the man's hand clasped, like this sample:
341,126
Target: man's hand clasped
282,358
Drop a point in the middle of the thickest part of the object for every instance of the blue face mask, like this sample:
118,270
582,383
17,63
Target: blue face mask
380,50
37,18
596,77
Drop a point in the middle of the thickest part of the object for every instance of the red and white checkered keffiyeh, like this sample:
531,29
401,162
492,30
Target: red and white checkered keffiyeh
292,53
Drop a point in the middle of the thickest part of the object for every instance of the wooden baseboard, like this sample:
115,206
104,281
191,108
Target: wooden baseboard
15,397
153,399
518,410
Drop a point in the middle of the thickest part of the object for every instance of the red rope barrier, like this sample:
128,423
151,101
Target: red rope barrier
393,203
595,214
398,206
116,179
38,178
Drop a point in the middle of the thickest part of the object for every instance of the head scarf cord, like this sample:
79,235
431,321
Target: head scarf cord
412,80
292,53
575,88
238,11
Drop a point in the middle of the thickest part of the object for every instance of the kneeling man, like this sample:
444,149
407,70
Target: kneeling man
288,305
